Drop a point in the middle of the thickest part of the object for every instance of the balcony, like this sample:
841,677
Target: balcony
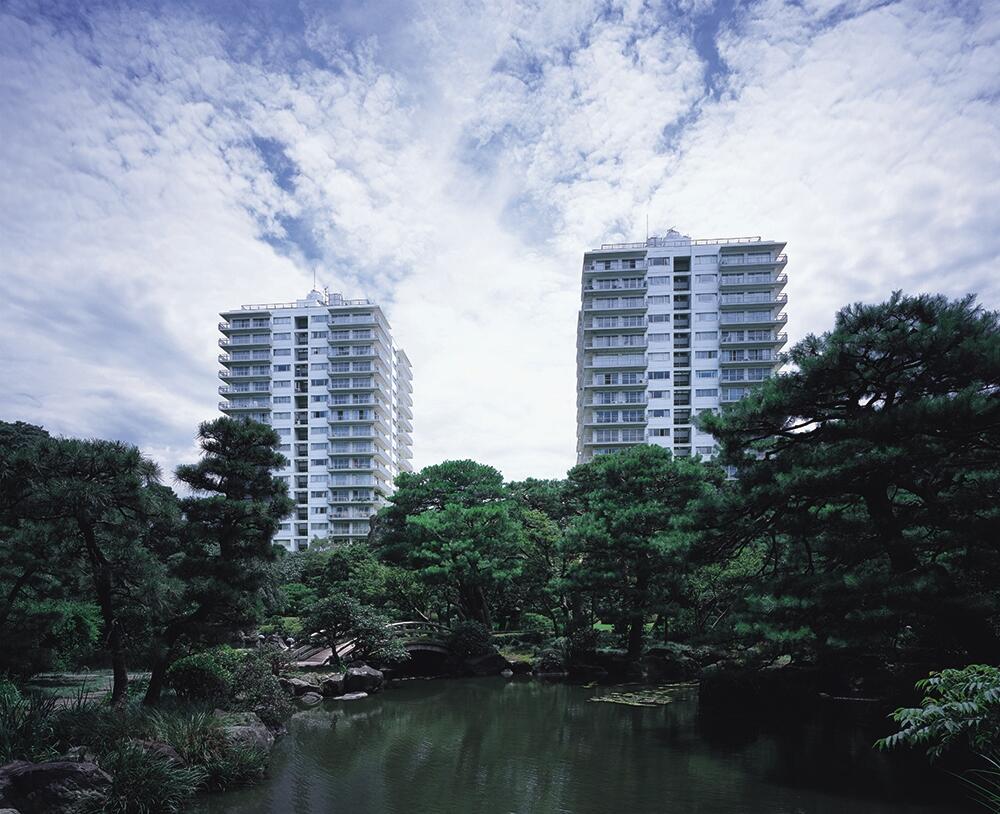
241,341
630,346
737,318
733,301
230,374
226,389
631,360
740,260
631,304
614,265
774,341
749,280
249,404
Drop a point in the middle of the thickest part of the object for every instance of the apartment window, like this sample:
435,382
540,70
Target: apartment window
659,432
706,374
319,399
633,415
706,279
319,334
659,413
633,397
659,318
633,322
703,336
705,259
631,378
705,450
706,298
282,352
282,368
659,300
605,397
606,322
634,436
282,384
659,357
281,416
658,338
281,321
319,366
707,316
279,337
658,281
706,354
632,282
706,392
605,416
317,382
659,374
282,399
657,394
605,436
659,261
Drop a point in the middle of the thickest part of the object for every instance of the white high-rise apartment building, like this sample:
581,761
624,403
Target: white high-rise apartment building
669,328
325,373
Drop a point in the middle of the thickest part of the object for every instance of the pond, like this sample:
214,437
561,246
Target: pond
490,746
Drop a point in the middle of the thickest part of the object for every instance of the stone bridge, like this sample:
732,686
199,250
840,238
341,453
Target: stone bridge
417,637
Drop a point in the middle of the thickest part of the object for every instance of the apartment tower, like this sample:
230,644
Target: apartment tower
669,328
324,372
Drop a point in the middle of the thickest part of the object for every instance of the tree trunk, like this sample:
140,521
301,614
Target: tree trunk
14,591
901,556
101,572
635,636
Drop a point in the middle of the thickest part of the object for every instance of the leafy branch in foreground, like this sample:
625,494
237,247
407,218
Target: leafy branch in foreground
958,705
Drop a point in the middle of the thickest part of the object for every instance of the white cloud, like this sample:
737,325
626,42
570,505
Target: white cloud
453,160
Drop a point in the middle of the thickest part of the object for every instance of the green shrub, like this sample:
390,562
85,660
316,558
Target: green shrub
200,676
535,622
235,765
146,783
255,688
201,741
26,725
554,656
469,639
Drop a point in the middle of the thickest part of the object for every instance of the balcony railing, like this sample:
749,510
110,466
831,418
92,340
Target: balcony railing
244,405
729,260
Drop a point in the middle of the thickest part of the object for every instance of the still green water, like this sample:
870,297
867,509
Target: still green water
489,746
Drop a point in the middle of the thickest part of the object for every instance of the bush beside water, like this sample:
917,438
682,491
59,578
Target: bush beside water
134,744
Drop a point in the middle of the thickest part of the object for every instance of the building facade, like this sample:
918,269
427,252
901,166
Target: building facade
324,372
669,328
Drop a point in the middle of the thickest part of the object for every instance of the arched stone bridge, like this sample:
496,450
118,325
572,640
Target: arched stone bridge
417,637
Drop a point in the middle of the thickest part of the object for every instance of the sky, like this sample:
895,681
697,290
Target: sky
163,161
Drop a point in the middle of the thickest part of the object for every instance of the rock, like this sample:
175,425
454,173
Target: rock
60,787
310,699
332,685
363,679
160,749
351,696
296,686
671,661
245,728
79,753
491,664
507,673
520,668
9,811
